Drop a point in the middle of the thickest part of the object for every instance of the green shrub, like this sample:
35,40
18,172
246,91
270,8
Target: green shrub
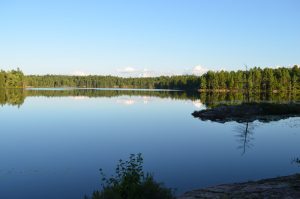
130,182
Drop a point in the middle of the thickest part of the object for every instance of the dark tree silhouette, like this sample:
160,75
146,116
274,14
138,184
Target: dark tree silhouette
245,136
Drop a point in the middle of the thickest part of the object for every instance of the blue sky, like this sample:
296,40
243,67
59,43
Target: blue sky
147,37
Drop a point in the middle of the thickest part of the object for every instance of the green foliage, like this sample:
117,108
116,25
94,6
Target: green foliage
12,79
15,97
185,82
256,79
2,79
130,182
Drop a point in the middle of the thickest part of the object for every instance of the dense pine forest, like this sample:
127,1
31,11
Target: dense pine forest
186,82
255,79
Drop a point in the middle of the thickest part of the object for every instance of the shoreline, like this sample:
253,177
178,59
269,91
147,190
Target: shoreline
279,187
249,112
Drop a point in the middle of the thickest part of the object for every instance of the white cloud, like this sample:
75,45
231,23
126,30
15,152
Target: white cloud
147,73
79,73
199,70
135,72
127,70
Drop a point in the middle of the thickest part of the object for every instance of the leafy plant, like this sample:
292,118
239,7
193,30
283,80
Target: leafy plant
130,182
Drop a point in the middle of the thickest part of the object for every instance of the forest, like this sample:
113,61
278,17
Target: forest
255,79
12,79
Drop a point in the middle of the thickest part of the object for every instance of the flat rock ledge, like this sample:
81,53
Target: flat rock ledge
249,112
287,187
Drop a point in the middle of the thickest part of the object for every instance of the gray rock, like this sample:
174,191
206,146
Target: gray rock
287,187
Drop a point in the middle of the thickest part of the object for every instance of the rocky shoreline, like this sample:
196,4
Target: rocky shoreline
287,187
249,112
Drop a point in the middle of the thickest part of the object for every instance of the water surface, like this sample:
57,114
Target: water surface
54,141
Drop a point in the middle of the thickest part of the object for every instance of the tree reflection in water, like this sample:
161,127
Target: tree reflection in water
245,136
296,161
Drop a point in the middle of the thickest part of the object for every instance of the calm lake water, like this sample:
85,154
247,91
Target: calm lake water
54,141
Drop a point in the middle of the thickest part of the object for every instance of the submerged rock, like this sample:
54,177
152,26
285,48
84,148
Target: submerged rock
282,187
249,112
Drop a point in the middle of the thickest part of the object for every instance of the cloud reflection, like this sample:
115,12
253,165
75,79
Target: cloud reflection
126,102
79,97
198,104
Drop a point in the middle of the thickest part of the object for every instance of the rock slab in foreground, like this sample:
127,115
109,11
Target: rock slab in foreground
287,187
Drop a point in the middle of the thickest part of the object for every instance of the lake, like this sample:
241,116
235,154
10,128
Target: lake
54,141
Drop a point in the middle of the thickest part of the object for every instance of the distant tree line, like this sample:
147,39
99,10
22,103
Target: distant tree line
184,82
256,79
